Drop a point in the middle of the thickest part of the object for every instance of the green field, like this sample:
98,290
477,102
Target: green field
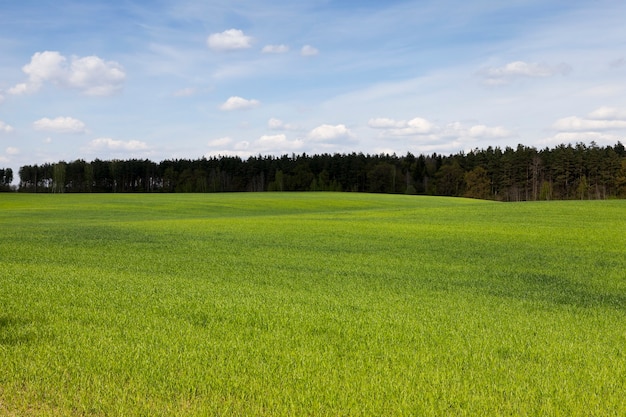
329,304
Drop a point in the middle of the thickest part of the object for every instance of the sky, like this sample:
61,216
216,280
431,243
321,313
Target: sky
171,79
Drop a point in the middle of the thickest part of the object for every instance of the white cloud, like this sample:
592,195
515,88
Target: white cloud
278,143
239,103
576,137
228,152
231,39
326,133
482,131
43,66
12,151
385,123
461,133
117,145
1,98
275,49
91,75
95,77
277,124
424,131
603,125
273,144
415,126
225,141
272,139
601,119
608,113
308,50
5,127
23,88
60,125
578,124
520,69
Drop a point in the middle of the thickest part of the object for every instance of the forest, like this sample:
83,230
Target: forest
523,173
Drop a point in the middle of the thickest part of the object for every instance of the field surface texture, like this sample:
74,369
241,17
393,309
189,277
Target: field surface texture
320,304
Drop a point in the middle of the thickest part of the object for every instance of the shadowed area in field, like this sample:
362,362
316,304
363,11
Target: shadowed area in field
551,289
15,331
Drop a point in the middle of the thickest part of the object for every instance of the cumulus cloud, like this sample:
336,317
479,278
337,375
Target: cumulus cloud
5,128
239,103
277,124
574,123
229,40
275,49
520,69
329,133
385,123
95,77
482,131
308,50
117,145
608,113
243,153
91,75
415,126
44,66
278,143
426,131
12,151
601,119
274,144
603,125
576,137
463,133
60,125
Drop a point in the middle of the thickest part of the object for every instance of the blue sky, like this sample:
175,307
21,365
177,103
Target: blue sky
185,79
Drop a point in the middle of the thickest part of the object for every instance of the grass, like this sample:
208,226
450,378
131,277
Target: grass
310,304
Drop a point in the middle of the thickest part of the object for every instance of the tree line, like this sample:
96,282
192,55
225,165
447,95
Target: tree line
577,171
6,178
